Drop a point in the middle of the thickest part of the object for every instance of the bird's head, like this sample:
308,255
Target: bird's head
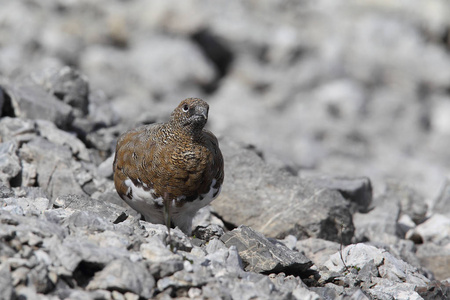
192,113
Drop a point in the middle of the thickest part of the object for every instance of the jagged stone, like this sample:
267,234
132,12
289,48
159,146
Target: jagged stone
209,232
277,204
87,205
380,223
66,84
317,250
435,229
435,258
357,190
53,166
31,101
377,271
27,205
6,285
15,128
435,290
9,162
49,131
262,256
124,276
411,202
442,202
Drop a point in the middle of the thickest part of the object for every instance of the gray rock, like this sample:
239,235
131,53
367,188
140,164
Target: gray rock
2,99
380,270
124,276
165,268
249,287
436,258
66,84
223,260
33,102
16,129
28,205
9,162
6,192
131,296
89,220
111,196
406,251
206,224
318,250
84,175
53,166
104,139
399,271
209,232
233,261
32,192
215,245
410,200
357,190
16,262
101,113
289,241
262,256
179,240
26,228
184,279
328,292
152,56
286,284
262,288
277,204
355,255
331,291
367,272
6,286
39,278
19,275
405,224
105,168
436,229
120,237
82,295
77,255
386,289
29,174
155,251
49,131
303,293
379,224
442,203
29,292
435,290
110,212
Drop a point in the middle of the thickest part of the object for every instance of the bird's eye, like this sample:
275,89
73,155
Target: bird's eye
185,108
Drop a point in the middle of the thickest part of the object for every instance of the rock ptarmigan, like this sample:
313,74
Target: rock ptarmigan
170,169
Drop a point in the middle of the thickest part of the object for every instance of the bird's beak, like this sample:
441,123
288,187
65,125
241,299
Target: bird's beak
202,111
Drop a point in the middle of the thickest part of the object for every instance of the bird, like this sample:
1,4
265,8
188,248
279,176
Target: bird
168,171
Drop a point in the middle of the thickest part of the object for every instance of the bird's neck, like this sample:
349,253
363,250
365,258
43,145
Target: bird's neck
175,132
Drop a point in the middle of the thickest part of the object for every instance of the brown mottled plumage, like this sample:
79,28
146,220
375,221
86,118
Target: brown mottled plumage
177,164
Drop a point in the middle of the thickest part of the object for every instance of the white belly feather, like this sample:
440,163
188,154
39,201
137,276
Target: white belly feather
153,211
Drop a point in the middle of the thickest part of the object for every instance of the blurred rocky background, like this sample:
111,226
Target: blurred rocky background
334,120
